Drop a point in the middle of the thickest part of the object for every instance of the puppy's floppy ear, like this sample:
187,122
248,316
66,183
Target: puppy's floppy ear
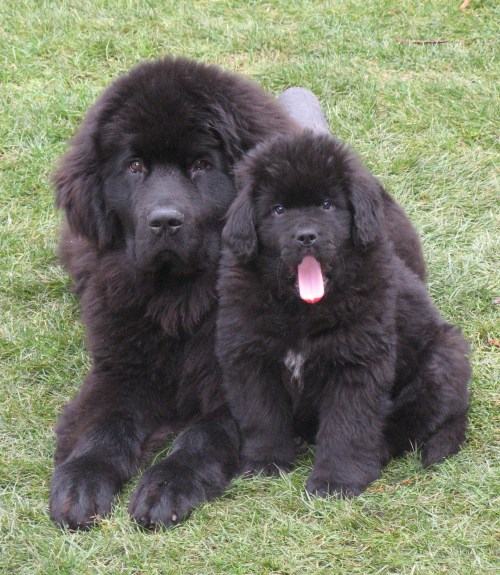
366,202
79,191
239,233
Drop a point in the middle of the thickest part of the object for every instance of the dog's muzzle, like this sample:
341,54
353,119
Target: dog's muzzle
165,220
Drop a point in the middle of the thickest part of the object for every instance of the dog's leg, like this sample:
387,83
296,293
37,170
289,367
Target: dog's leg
431,410
98,449
350,436
203,460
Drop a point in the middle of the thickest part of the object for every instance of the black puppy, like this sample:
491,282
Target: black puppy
323,331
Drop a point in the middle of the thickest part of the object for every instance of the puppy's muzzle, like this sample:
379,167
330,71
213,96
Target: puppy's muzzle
306,237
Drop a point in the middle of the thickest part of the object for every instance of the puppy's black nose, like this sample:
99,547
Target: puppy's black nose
306,237
167,219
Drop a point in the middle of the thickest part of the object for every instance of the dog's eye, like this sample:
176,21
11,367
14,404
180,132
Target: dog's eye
136,166
200,165
279,209
327,204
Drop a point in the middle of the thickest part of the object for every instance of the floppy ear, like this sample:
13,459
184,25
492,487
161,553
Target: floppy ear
79,192
366,202
239,232
222,123
243,115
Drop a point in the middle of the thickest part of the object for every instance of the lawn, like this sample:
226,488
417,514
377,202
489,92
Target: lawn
425,119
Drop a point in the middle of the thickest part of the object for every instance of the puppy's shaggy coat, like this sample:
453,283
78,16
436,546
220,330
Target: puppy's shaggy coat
366,372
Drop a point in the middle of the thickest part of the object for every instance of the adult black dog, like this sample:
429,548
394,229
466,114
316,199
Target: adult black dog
323,331
145,188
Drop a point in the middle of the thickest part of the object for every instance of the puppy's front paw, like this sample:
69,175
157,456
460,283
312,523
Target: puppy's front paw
261,458
322,486
251,467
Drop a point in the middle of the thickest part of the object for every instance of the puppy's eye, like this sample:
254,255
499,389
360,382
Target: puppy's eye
327,204
201,165
279,209
136,166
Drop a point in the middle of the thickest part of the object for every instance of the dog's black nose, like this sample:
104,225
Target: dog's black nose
306,237
167,219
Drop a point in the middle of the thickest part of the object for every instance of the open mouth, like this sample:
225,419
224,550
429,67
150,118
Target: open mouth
311,280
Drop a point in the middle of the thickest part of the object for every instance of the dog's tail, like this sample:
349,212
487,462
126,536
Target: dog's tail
304,107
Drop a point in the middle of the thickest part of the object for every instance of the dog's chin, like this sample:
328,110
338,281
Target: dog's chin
166,262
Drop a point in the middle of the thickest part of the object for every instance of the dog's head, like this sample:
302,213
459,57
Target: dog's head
150,170
304,202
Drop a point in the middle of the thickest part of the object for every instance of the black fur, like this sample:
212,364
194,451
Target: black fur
144,188
365,373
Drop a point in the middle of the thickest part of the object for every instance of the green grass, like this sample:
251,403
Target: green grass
425,118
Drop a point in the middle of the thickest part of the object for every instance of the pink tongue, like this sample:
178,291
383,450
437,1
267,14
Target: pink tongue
311,286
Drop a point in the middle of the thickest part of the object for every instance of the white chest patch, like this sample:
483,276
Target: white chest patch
294,362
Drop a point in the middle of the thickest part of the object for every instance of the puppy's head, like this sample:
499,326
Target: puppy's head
304,202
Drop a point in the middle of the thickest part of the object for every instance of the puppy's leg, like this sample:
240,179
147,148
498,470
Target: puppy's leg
431,410
350,436
98,450
203,460
263,411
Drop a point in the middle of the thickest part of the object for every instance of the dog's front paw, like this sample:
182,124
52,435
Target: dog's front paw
166,495
323,486
81,490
